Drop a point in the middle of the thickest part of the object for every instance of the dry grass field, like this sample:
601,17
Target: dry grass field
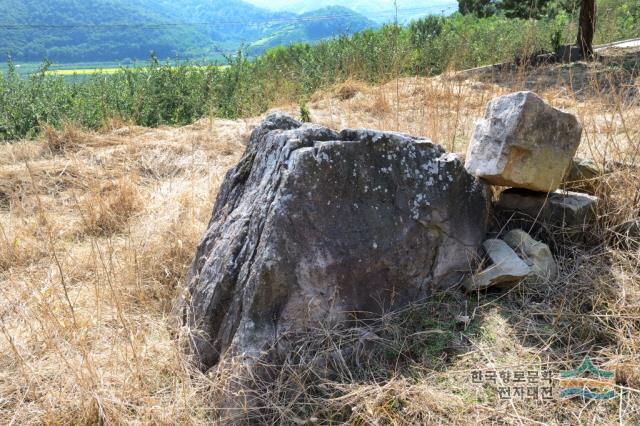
97,230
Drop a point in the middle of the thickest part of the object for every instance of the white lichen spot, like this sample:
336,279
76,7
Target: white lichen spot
323,157
450,156
431,168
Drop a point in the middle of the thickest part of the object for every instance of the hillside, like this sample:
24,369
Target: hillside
379,11
315,25
232,21
76,30
113,30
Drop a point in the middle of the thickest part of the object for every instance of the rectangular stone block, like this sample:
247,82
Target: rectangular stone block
560,208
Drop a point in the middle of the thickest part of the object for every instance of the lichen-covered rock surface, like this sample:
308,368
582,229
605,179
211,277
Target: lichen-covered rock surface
313,226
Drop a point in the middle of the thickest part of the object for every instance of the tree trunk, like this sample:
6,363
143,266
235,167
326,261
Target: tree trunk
587,28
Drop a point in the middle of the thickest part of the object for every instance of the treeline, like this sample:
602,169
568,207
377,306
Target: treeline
176,94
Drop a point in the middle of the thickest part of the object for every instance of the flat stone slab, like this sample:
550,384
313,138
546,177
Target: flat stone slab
560,208
523,142
507,268
536,254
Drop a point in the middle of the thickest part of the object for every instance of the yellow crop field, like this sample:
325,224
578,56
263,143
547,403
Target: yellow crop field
86,71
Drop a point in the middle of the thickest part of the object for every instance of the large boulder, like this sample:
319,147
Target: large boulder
312,226
523,142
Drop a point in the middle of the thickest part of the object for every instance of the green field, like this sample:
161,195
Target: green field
84,69
27,68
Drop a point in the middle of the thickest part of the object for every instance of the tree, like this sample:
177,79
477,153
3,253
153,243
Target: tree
481,8
537,9
523,9
515,8
587,27
425,29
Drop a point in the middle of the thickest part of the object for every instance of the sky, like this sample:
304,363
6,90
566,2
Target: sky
377,10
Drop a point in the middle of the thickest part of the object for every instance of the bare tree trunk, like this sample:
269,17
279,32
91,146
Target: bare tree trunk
587,28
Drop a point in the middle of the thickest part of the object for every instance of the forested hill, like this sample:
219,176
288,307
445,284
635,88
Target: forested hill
79,30
114,30
383,11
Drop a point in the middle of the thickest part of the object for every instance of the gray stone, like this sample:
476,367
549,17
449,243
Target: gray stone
507,268
583,176
313,225
523,142
560,208
569,53
536,254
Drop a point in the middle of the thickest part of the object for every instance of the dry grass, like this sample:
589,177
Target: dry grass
61,141
97,230
349,89
107,209
93,243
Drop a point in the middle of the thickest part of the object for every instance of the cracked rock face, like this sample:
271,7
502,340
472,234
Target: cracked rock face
313,225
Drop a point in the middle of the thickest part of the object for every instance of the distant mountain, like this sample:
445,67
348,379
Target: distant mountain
112,30
379,10
316,25
80,30
238,21
221,20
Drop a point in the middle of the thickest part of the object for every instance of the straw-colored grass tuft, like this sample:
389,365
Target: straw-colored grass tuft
349,89
107,209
